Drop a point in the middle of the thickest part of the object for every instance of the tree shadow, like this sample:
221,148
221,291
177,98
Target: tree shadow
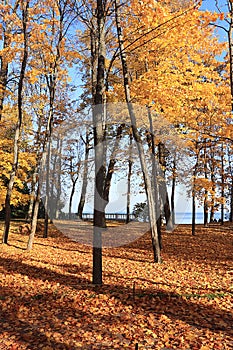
76,249
24,333
159,302
16,246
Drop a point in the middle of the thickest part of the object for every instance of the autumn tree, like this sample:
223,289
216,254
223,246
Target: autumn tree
136,135
24,9
8,16
161,69
225,23
52,52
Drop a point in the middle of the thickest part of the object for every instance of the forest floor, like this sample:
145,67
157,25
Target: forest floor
47,300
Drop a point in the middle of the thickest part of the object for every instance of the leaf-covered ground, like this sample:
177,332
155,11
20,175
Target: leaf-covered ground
47,300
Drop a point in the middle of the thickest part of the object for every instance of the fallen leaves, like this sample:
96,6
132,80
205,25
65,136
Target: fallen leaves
47,301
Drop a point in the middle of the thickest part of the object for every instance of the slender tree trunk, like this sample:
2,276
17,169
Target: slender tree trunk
3,72
34,218
173,190
74,181
130,165
163,188
47,184
85,173
154,182
194,198
231,201
40,166
230,167
205,207
4,63
205,210
99,136
18,126
230,46
34,175
58,181
137,137
194,210
213,184
32,196
112,162
222,185
212,211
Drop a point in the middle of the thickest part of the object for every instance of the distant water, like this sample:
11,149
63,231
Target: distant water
186,218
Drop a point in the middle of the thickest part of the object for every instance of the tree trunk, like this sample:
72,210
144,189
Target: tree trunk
154,182
74,181
222,186
213,187
112,162
58,183
137,137
18,126
230,46
173,190
205,207
163,188
130,165
99,135
231,201
34,219
206,213
85,173
4,65
230,167
47,184
193,210
32,196
194,198
3,72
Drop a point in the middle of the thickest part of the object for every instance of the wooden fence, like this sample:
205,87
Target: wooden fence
110,216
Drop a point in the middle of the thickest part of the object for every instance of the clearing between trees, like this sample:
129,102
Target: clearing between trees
47,300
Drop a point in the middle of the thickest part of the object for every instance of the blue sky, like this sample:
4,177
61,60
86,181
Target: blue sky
210,5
